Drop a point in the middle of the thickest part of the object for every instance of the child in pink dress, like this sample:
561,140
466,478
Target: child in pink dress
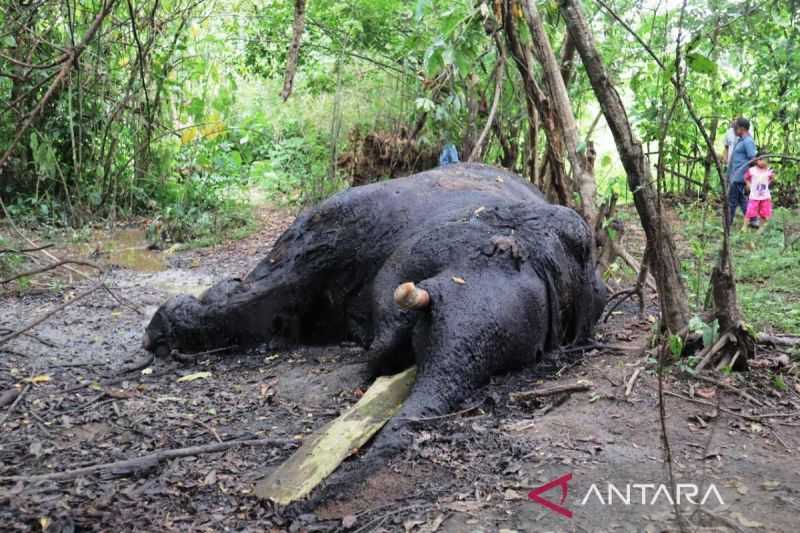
758,178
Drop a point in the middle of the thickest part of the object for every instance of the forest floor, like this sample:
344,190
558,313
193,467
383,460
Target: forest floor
471,471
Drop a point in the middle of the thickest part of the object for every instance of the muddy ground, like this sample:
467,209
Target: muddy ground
470,471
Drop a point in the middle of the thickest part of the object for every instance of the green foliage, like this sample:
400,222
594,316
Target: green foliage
700,63
9,261
675,346
709,331
779,383
766,272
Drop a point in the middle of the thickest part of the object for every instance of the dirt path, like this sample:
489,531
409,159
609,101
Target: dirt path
470,472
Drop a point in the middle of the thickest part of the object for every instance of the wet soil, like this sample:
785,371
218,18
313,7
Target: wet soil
470,471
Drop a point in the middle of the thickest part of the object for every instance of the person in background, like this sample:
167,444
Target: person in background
449,155
758,178
730,142
742,154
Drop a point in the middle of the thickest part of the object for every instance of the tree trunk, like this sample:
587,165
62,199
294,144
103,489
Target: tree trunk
584,181
499,74
535,98
298,27
663,262
567,59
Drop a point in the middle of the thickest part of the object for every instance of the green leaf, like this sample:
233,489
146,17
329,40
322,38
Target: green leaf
675,346
424,104
700,63
196,109
420,9
433,61
448,56
462,61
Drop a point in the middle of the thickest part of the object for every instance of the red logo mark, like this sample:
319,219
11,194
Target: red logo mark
559,482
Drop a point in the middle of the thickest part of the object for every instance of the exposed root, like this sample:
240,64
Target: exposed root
382,154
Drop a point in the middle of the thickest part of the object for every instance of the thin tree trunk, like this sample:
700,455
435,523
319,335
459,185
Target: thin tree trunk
536,99
567,59
584,181
663,261
499,73
298,27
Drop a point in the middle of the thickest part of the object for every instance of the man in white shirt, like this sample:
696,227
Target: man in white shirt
730,141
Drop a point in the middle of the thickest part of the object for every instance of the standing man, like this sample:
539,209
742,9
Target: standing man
741,154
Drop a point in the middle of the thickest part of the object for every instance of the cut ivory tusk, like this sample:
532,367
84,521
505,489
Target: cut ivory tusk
409,296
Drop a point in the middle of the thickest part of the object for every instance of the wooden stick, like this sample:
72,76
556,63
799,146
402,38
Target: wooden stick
755,418
51,266
448,415
146,461
779,340
49,314
14,405
632,381
730,388
708,354
557,389
25,250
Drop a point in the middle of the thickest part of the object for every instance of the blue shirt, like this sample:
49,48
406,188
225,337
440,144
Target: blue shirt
743,152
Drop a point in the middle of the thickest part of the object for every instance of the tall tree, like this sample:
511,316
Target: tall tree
583,180
663,261
298,27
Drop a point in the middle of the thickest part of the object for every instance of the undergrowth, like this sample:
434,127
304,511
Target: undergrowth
766,265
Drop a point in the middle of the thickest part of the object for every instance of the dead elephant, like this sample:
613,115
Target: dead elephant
464,270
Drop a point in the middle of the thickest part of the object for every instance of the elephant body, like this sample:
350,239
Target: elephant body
509,276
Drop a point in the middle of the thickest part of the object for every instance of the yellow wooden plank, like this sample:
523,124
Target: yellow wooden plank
323,452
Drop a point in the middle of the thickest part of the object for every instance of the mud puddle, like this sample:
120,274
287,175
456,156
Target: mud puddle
124,247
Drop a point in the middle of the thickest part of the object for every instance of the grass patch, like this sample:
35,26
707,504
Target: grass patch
767,273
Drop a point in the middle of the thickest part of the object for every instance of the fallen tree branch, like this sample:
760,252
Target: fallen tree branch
51,266
730,388
50,313
557,389
128,466
778,340
753,418
45,342
710,352
14,405
192,357
632,381
448,415
25,250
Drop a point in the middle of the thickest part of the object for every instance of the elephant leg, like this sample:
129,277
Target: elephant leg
469,332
